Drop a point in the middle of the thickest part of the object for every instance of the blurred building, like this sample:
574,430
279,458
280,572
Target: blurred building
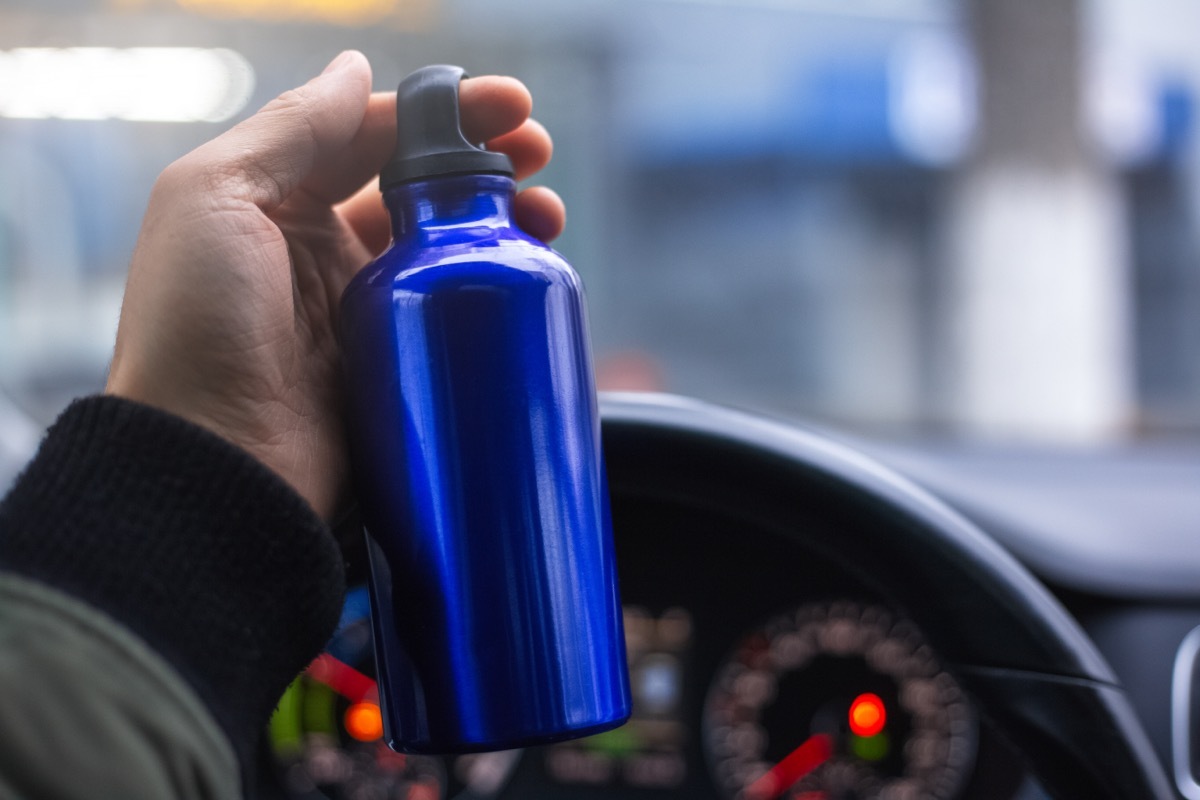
784,204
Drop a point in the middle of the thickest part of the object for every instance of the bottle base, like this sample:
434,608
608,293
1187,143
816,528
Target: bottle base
512,743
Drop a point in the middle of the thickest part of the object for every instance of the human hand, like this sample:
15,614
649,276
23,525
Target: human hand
230,310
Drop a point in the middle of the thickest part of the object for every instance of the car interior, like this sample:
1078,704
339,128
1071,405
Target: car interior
895,314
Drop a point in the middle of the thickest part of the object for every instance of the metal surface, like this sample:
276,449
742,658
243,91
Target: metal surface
479,468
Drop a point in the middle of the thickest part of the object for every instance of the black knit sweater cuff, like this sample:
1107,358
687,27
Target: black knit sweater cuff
186,540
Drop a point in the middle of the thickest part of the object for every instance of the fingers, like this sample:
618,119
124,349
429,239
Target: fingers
540,213
268,156
491,106
493,109
331,136
529,147
368,218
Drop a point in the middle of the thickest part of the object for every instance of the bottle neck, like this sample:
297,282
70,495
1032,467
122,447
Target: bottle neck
450,209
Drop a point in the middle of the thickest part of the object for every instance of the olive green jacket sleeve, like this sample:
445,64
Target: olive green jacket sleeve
90,711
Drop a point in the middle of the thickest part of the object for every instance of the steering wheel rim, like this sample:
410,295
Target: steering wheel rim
1031,668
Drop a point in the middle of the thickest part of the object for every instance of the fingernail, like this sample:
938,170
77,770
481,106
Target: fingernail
342,60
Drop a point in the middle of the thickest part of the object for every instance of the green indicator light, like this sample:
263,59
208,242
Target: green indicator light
870,748
285,729
318,710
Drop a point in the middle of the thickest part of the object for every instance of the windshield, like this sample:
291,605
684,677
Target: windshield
919,216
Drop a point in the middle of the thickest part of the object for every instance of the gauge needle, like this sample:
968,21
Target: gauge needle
815,751
342,678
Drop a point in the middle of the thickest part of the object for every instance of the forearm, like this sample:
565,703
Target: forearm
195,548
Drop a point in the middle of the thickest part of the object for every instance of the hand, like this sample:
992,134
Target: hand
229,317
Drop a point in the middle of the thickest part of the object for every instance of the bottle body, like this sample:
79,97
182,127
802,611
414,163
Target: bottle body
477,459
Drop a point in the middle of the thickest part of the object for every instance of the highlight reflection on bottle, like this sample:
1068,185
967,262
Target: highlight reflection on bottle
478,465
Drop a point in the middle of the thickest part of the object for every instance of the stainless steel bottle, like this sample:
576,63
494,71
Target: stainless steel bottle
477,458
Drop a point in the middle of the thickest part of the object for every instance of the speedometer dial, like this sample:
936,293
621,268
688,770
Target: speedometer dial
837,702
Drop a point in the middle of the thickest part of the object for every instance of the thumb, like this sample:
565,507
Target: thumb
268,156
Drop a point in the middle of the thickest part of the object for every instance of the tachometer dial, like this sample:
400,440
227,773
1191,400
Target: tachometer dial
327,734
838,702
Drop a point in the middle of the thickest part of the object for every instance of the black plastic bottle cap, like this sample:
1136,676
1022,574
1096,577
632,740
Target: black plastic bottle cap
429,137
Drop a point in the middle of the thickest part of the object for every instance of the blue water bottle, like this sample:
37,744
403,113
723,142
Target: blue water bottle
477,462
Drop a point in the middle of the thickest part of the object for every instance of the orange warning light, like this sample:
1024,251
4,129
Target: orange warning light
364,722
867,715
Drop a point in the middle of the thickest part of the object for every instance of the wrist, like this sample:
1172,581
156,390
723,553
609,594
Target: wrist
275,437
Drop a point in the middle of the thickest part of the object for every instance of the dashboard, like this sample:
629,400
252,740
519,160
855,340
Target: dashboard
803,622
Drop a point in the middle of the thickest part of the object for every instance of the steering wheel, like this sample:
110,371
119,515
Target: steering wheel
1030,668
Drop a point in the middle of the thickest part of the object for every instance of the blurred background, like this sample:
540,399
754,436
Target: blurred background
927,218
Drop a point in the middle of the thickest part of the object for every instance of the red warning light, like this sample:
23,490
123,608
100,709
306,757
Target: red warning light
868,716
